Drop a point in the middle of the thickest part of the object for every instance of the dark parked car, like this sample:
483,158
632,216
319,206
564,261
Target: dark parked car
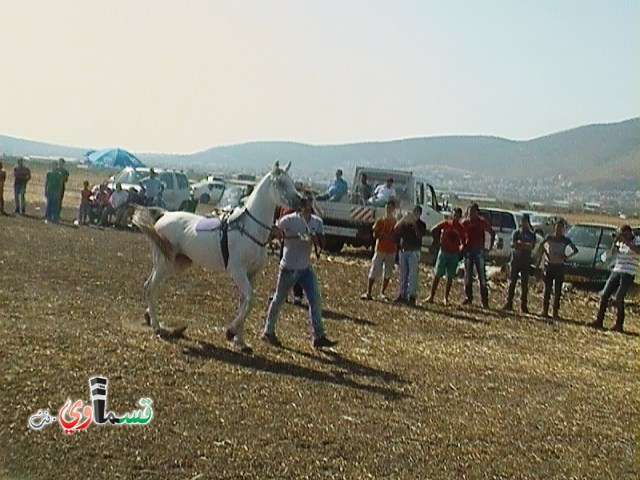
594,261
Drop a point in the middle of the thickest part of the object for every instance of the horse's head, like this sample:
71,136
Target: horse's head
283,189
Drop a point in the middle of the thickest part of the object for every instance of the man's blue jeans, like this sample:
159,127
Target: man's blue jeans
409,262
475,259
620,284
19,190
51,211
287,278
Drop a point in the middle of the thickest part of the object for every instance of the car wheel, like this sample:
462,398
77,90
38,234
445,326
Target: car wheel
205,198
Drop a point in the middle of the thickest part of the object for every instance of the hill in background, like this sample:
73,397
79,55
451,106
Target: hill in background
604,157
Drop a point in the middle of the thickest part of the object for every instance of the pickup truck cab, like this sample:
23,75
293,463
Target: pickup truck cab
350,221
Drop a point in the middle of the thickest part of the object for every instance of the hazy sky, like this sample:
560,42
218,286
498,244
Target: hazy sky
186,75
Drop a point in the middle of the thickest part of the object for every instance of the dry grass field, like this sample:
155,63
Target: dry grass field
431,392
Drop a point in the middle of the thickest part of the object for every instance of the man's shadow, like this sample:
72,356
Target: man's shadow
209,351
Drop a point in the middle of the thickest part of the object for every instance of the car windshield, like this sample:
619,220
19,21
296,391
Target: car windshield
538,219
585,236
231,197
132,177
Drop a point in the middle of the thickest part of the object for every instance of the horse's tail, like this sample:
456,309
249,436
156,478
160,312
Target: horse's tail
145,219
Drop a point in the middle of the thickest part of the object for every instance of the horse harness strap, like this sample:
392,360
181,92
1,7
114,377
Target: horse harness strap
226,226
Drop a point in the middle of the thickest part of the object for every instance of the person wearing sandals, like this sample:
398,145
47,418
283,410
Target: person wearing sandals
385,251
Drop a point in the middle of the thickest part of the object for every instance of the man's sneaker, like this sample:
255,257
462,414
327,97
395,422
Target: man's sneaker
271,339
366,296
430,299
382,297
485,305
597,324
297,300
323,342
467,301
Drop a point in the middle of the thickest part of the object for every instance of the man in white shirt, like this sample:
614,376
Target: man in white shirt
117,206
621,278
383,193
302,232
152,187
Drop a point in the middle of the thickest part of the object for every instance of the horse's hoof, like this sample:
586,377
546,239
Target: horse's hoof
230,335
160,332
147,317
247,350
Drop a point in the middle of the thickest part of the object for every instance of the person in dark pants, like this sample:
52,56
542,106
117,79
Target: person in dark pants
475,228
555,247
625,268
523,240
64,173
21,176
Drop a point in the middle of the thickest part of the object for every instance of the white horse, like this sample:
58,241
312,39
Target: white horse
237,245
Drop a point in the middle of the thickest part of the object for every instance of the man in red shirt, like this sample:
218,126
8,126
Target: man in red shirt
475,228
451,235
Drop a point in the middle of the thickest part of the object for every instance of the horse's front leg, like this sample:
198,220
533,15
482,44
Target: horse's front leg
161,269
245,284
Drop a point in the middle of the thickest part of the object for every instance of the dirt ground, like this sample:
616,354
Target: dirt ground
431,392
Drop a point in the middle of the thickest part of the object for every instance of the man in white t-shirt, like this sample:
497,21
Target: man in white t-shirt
621,278
117,206
383,193
152,187
302,232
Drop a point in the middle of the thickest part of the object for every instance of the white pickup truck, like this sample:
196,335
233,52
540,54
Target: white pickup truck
349,221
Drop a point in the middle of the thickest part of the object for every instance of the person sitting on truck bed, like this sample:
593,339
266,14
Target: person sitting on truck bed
363,190
337,189
383,193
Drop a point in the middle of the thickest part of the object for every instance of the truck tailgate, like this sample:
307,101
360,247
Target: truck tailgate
345,212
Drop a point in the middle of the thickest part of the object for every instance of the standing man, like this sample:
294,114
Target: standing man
555,247
65,177
21,176
3,178
338,188
451,235
475,228
385,252
409,232
523,240
152,187
52,187
625,269
301,231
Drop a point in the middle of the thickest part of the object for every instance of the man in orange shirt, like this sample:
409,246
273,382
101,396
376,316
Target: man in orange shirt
385,253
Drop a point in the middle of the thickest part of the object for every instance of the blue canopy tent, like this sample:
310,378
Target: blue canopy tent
112,157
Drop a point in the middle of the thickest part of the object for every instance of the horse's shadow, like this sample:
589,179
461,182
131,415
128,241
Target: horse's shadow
210,351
